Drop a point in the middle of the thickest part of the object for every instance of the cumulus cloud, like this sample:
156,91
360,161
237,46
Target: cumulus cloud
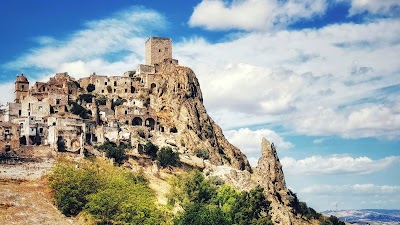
108,46
316,85
249,141
319,165
253,14
7,93
329,81
388,7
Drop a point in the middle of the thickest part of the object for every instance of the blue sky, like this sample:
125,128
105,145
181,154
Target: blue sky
319,78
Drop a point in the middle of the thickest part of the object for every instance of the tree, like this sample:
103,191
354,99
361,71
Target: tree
71,186
250,207
79,110
201,214
114,151
150,149
167,157
202,153
91,87
86,97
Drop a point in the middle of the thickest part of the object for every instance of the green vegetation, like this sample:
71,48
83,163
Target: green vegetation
91,87
150,149
114,151
167,157
86,97
111,195
117,102
102,100
71,186
79,110
332,220
202,153
205,203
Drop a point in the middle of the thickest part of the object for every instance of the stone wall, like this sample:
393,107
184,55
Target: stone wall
157,49
9,137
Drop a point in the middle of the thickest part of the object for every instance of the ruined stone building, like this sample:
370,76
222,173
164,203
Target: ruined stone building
43,113
159,100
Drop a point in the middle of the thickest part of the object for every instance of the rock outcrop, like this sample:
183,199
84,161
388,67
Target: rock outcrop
270,176
178,102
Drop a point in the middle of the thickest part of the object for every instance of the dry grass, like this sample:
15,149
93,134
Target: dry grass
28,202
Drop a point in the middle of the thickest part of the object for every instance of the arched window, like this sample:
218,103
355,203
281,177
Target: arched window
137,121
150,122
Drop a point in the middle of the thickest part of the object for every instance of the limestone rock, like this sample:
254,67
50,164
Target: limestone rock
178,102
270,176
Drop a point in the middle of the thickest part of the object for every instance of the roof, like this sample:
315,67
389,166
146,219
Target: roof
21,78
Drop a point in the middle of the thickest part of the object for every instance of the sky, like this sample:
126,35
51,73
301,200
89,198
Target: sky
318,78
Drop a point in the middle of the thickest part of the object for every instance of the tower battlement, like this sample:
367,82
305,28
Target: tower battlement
158,49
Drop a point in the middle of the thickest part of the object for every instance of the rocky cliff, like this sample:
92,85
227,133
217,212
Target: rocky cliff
178,101
270,176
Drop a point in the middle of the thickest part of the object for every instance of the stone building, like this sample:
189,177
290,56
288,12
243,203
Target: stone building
158,49
64,114
21,88
9,137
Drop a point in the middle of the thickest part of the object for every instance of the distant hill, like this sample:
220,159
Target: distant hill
367,216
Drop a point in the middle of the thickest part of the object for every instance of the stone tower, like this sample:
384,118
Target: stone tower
158,49
21,88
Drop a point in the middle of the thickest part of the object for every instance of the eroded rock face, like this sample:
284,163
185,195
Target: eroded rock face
178,102
270,176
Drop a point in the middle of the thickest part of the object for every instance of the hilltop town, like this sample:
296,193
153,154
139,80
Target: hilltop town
159,102
150,102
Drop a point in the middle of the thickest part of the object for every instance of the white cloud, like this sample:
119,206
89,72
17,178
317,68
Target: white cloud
249,141
359,189
253,14
384,7
319,140
110,46
7,93
318,165
329,81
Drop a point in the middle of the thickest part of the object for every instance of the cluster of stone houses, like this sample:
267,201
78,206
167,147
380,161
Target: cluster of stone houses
42,115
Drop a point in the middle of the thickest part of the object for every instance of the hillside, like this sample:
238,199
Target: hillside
367,216
159,104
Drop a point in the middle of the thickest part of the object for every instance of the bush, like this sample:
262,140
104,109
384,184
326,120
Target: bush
111,195
86,97
79,110
71,186
205,203
200,214
202,153
114,151
167,157
91,87
150,149
101,100
117,102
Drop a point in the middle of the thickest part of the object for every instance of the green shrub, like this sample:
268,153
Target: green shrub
202,153
86,97
167,157
205,203
79,110
71,186
102,100
111,195
150,149
114,151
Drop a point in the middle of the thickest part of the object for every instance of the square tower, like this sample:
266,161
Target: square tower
21,88
158,49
